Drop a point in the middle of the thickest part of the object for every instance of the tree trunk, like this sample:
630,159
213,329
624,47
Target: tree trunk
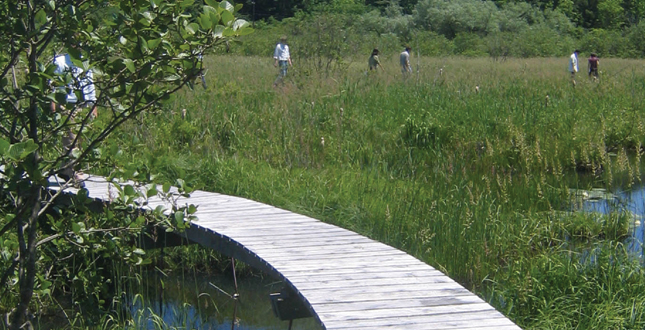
27,235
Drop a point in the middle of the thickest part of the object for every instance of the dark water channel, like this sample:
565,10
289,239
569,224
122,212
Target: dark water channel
194,302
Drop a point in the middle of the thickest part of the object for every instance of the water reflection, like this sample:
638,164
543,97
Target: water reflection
194,302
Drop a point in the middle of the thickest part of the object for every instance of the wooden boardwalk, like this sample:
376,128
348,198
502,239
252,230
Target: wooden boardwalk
345,280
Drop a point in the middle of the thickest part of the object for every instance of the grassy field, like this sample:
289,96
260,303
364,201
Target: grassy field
468,165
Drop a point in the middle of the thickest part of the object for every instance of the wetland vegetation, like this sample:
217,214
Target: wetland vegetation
476,183
479,164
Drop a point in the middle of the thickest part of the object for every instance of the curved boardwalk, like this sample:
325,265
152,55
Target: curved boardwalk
347,281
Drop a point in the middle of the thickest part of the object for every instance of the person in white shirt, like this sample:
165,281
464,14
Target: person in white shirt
573,65
82,81
406,68
282,59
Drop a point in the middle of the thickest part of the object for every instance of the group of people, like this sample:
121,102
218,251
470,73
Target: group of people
282,60
592,66
404,58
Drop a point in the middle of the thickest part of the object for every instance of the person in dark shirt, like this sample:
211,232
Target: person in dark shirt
373,62
594,62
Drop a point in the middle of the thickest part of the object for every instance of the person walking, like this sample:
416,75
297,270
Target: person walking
374,62
282,59
406,68
594,62
573,65
82,81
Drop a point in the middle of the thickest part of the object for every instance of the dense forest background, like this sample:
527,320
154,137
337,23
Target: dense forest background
497,28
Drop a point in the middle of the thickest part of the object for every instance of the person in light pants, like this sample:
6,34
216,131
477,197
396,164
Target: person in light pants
282,59
573,65
406,68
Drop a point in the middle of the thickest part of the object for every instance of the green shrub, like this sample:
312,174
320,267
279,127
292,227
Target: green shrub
424,133
469,44
605,43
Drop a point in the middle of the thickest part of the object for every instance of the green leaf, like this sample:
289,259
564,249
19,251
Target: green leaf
140,221
192,209
179,217
205,21
4,147
218,31
227,17
244,31
129,190
154,43
139,251
144,45
186,3
240,24
146,261
129,64
40,18
75,56
166,188
76,228
148,17
152,191
192,28
44,284
228,32
212,3
123,40
21,150
226,5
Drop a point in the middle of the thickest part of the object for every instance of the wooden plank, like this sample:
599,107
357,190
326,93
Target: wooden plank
448,321
355,276
341,254
353,262
274,218
431,327
437,312
372,246
255,244
322,298
286,226
245,212
315,267
368,283
242,209
263,234
312,251
467,320
214,217
316,291
341,271
387,303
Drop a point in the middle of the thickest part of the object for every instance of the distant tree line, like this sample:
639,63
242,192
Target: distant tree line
496,28
588,14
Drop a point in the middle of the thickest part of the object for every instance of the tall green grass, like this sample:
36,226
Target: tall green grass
462,165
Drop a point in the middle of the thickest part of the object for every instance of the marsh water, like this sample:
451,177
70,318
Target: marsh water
205,302
624,200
